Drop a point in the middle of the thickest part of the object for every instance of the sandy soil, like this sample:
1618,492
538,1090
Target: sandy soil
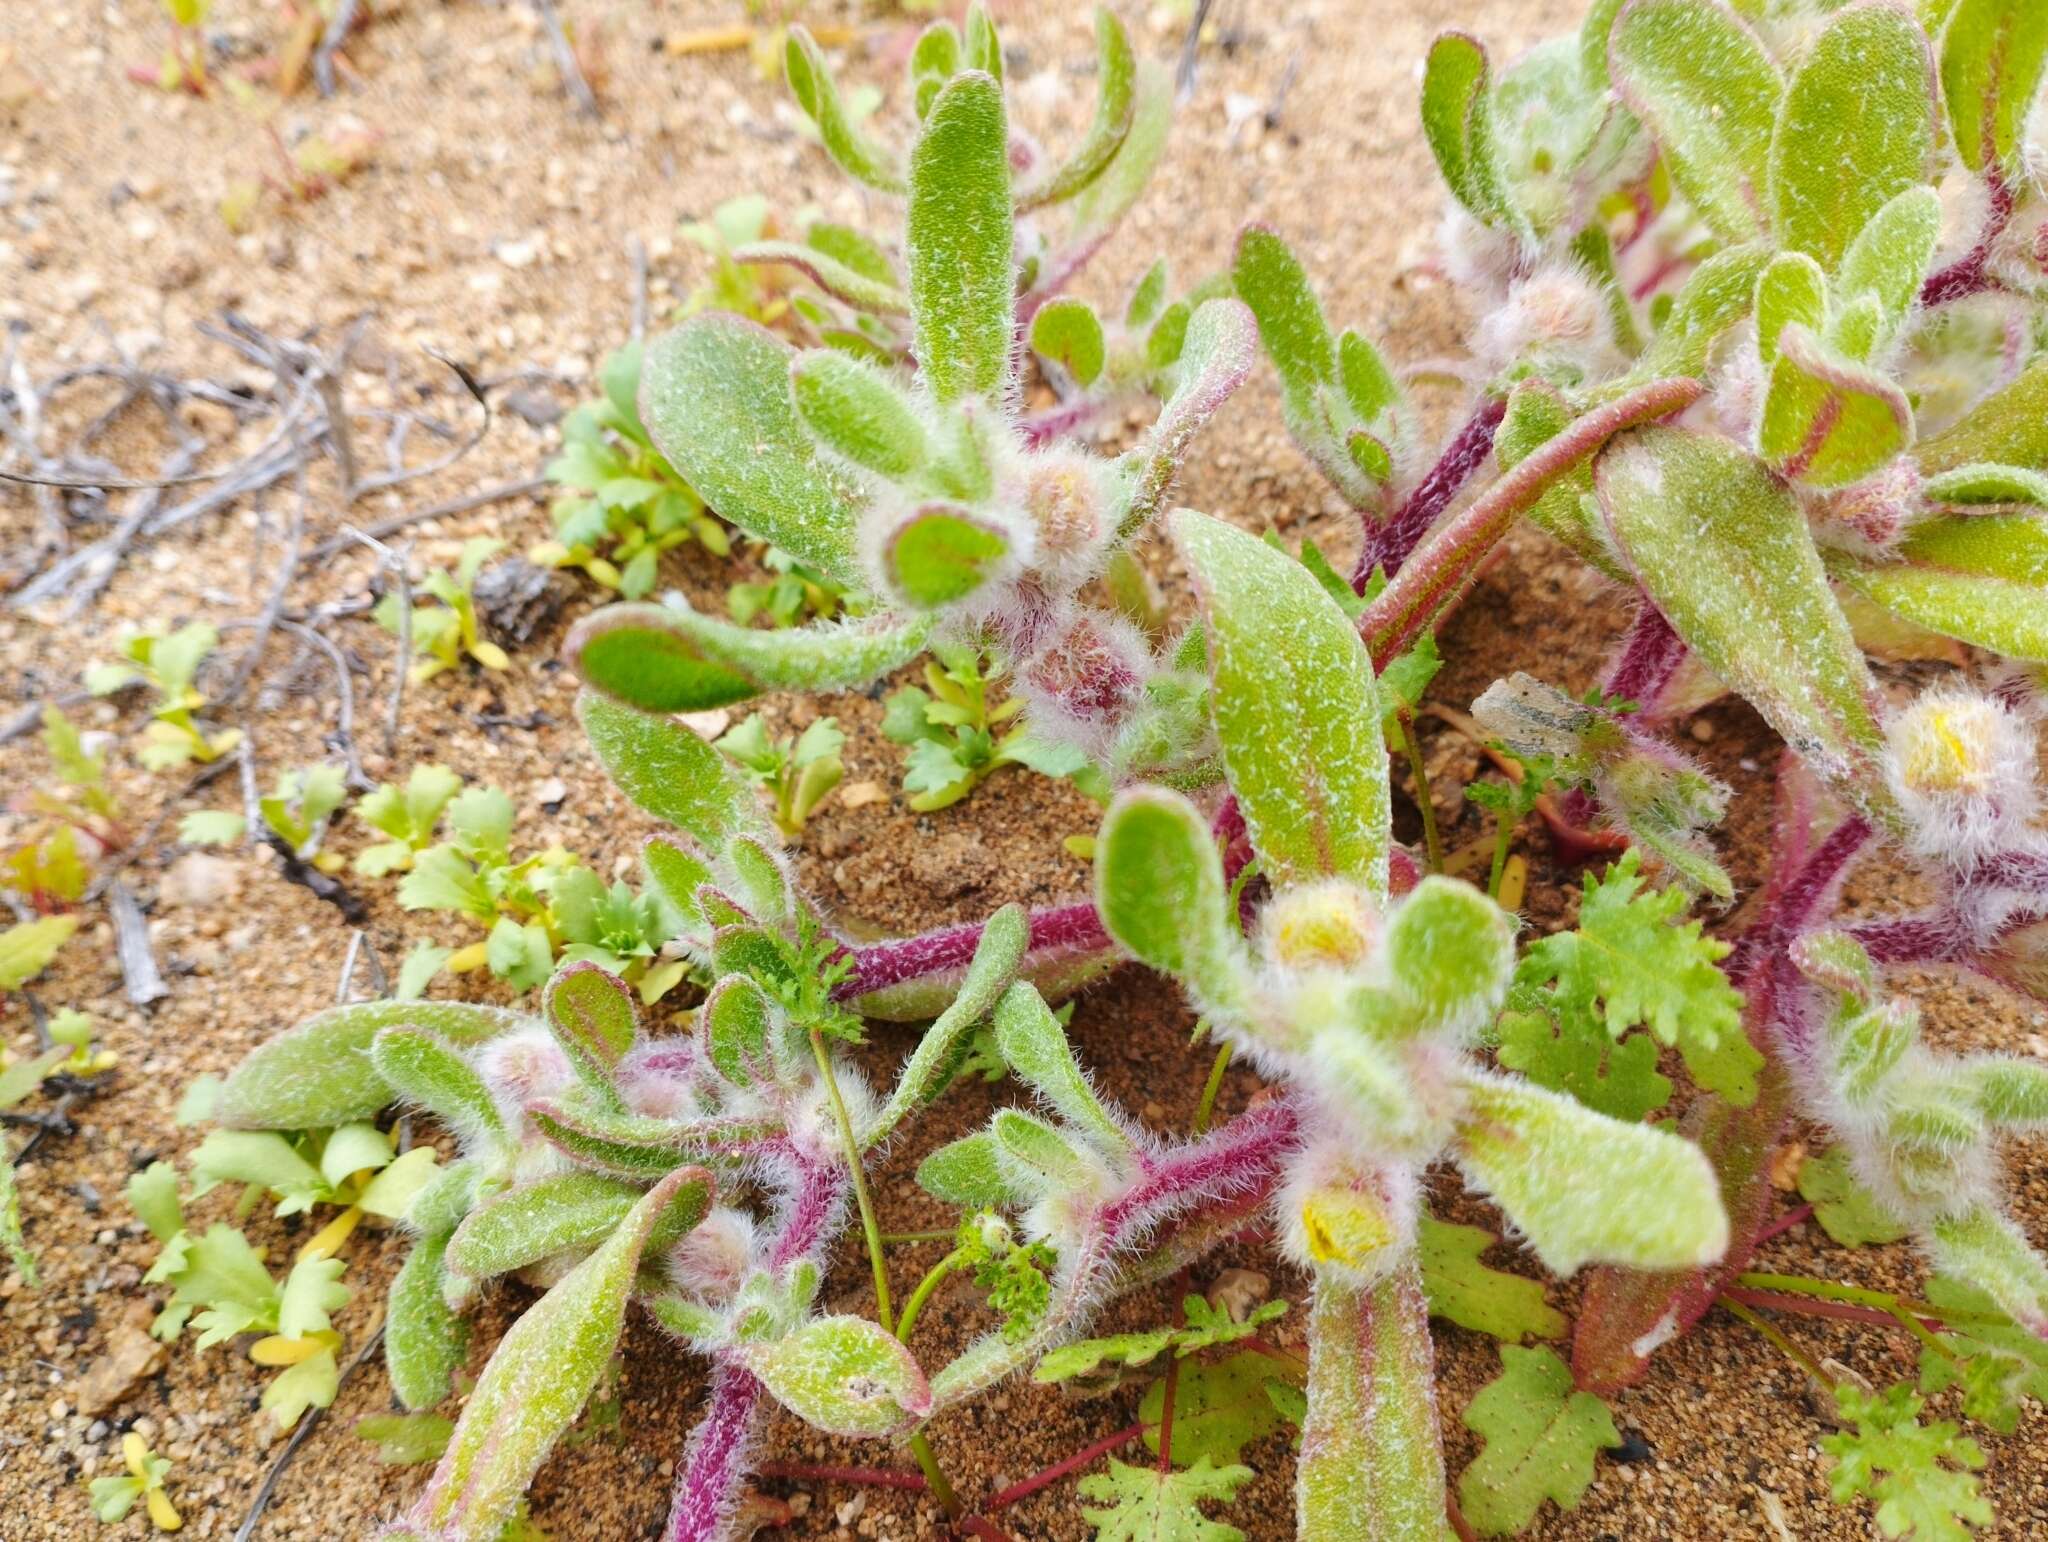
492,225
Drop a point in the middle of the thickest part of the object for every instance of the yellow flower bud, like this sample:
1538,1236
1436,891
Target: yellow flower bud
1324,926
1345,1226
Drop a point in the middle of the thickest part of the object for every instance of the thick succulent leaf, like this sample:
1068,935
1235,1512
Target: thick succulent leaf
843,1375
1982,578
716,398
428,1071
760,884
1116,100
667,770
1457,120
737,1022
1033,1156
1856,128
1034,1045
1993,54
319,1074
1792,289
810,81
861,290
1449,951
958,239
1069,333
640,1149
1724,552
1296,709
538,1379
1718,295
592,1015
1891,254
967,1172
941,553
855,409
1160,887
934,60
425,1342
1584,1188
1270,279
1105,201
1371,1463
1537,413
2009,427
1986,487
669,658
1708,92
1988,1250
1216,355
674,874
1828,420
997,956
566,1212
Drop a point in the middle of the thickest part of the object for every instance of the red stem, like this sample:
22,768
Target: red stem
1060,1469
1969,274
1448,561
1390,544
987,1530
1807,1306
1166,1415
1781,1225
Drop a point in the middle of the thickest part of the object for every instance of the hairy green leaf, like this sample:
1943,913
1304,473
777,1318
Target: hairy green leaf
1993,55
958,241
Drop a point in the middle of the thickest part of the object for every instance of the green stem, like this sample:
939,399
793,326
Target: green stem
1785,1346
1432,841
1503,836
942,1488
1207,1107
925,1287
1883,1301
1918,1329
904,1238
868,1224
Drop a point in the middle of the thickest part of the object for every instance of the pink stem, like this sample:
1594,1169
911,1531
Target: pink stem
1445,565
1970,273
1059,1470
1650,658
1242,1155
715,1464
1390,544
1062,420
1808,1306
879,965
1781,1225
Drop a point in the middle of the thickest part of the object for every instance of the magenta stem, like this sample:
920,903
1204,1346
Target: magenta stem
715,1464
1061,1469
1650,658
1808,1306
1970,273
879,965
1781,1225
1389,544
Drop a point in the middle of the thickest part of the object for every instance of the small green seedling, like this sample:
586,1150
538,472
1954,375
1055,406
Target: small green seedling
443,636
169,664
623,504
797,775
296,813
794,595
958,739
406,815
112,1498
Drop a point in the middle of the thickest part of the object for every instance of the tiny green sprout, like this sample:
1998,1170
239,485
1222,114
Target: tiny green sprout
183,66
622,504
1013,1273
443,636
797,775
73,1029
957,739
72,822
112,1498
27,947
407,816
794,595
296,813
169,664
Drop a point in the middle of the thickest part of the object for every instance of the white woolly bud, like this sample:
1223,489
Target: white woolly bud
1332,925
1084,677
1962,768
716,1256
1063,494
521,1066
1872,516
2019,255
1335,1213
1475,256
1557,313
